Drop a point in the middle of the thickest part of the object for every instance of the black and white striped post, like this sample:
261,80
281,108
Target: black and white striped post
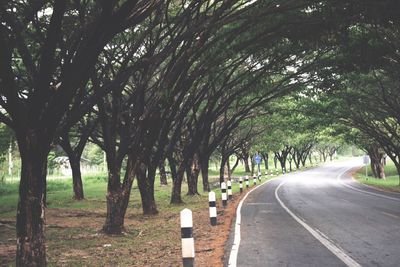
247,181
241,184
254,179
229,189
259,175
213,208
224,198
187,238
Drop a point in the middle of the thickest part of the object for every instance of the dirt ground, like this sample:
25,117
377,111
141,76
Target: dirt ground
73,238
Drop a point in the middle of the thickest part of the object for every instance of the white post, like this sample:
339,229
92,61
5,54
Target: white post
247,181
254,180
223,190
259,175
229,189
241,184
187,238
213,208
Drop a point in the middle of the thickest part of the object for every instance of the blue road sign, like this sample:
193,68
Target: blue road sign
257,159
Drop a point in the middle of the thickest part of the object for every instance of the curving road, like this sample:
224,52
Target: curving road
318,217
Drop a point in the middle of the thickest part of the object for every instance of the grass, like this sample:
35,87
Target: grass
391,182
72,231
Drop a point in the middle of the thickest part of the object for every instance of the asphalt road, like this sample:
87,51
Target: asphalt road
319,217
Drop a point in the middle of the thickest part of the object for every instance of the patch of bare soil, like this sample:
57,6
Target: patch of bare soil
210,240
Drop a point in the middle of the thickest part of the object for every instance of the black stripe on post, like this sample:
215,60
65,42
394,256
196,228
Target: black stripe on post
187,232
212,208
188,262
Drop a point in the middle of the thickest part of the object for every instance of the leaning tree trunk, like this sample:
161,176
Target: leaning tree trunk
76,177
146,188
222,168
31,249
176,197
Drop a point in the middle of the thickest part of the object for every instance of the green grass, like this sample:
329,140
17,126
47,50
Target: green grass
390,183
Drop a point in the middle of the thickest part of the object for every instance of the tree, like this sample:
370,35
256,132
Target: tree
48,51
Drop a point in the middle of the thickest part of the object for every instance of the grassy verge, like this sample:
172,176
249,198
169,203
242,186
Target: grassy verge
391,183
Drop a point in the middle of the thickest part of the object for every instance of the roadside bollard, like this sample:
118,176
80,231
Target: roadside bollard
247,181
229,189
187,238
223,190
259,176
254,180
277,172
213,208
241,184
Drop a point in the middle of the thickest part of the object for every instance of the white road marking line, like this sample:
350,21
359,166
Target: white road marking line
360,190
336,250
258,203
390,215
236,241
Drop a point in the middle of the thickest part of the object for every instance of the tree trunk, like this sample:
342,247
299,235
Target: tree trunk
31,249
176,197
163,175
377,166
76,177
118,198
117,202
235,165
265,157
246,164
276,162
222,169
204,164
146,188
193,176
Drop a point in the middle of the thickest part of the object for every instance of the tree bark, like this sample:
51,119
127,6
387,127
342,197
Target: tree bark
193,176
204,164
377,165
75,163
146,188
265,157
222,169
163,175
246,164
31,249
176,197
